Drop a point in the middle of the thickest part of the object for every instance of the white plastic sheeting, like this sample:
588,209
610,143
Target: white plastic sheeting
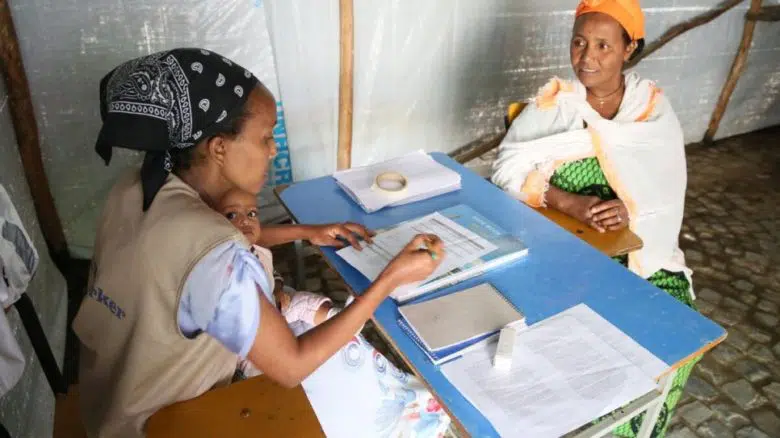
431,74
69,45
436,74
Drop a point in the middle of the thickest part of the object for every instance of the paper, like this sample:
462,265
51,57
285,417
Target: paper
425,178
462,246
638,355
562,376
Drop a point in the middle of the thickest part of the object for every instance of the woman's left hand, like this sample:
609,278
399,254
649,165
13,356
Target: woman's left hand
337,234
611,215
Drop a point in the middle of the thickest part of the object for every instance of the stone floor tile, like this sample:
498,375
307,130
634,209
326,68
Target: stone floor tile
725,354
701,390
695,413
767,319
738,340
751,432
744,395
761,353
772,391
680,432
767,421
752,371
714,429
730,415
759,335
709,295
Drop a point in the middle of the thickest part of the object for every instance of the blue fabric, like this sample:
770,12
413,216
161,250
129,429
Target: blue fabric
220,297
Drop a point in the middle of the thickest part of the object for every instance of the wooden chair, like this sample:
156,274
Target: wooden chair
512,111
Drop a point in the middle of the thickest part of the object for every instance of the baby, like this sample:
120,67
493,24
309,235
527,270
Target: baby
240,208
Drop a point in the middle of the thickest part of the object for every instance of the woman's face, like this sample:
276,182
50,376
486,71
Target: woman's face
598,50
247,156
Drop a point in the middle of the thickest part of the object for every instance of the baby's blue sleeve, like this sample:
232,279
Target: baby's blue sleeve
221,297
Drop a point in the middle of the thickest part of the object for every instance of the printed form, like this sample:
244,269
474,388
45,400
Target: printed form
462,245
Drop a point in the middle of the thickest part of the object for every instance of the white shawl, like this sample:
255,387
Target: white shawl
641,152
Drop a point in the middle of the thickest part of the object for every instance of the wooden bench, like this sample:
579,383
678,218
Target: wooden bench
251,408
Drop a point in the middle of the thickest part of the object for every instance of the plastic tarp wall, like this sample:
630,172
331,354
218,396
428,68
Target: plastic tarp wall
437,74
68,46
28,409
433,74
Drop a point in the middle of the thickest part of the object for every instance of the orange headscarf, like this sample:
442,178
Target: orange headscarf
627,12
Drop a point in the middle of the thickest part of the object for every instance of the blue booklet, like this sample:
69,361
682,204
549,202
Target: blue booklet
451,353
450,325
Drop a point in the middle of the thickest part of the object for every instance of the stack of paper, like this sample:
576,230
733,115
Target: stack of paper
450,326
473,245
425,179
565,372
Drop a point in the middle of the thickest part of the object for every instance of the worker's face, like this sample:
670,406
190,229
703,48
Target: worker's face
245,159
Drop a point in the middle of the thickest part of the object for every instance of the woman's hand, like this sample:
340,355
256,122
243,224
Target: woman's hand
337,234
288,360
416,261
580,208
610,215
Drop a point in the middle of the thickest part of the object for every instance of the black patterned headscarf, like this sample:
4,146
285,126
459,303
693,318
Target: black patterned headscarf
168,100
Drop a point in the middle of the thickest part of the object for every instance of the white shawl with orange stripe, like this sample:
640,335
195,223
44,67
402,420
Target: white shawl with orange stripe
641,152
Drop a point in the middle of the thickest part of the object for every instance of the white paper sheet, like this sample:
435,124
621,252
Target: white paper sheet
462,246
425,179
638,355
563,375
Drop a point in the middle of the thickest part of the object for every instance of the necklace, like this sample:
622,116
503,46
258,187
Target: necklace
603,99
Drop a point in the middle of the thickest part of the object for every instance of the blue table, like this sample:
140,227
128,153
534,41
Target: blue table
559,272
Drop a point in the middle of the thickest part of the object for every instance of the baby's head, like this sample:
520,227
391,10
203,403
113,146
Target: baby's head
240,208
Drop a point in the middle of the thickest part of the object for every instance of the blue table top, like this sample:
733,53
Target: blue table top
560,271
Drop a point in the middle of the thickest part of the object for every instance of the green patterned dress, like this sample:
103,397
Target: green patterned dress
585,177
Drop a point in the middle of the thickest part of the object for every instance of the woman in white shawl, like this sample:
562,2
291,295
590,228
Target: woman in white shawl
607,149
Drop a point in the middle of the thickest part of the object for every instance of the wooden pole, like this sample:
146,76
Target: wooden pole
680,28
767,13
26,130
736,70
347,43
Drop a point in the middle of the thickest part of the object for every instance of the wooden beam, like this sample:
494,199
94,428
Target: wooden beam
26,130
683,27
767,13
477,148
347,44
736,70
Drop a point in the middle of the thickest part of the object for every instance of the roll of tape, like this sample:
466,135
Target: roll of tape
390,182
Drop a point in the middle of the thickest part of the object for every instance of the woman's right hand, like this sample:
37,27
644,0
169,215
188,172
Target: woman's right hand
416,261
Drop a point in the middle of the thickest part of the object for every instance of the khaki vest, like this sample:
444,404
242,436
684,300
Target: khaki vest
134,359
